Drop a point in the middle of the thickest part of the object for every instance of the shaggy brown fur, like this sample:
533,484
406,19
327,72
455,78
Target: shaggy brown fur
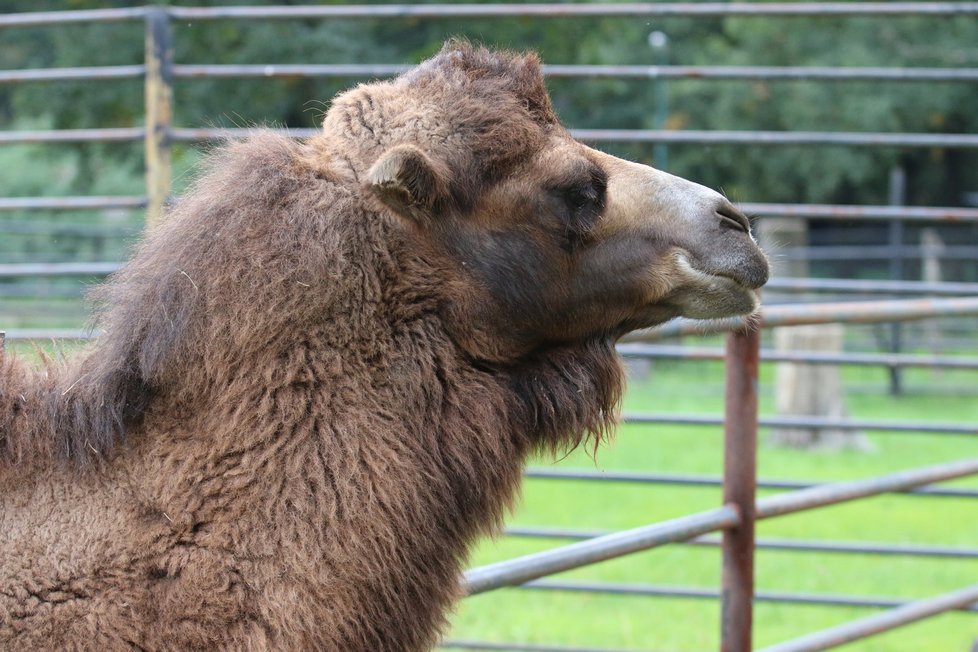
318,380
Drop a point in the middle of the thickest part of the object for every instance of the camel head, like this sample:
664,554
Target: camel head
551,242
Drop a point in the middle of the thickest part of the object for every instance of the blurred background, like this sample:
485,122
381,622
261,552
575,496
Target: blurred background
853,139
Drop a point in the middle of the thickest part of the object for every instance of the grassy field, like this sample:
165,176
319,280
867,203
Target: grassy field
679,624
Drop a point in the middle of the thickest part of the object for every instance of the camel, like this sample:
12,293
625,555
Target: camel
317,381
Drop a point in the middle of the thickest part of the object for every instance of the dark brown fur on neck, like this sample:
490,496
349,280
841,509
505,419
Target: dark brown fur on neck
317,365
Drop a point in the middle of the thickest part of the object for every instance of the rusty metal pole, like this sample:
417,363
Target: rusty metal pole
739,484
159,111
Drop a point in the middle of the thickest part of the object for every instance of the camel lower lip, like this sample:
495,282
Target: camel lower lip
729,278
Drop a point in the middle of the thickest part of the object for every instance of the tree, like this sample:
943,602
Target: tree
757,173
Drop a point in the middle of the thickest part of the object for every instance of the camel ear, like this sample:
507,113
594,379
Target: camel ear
407,181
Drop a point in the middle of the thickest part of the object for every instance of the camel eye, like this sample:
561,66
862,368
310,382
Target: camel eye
579,197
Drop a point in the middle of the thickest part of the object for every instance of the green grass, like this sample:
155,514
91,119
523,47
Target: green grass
656,623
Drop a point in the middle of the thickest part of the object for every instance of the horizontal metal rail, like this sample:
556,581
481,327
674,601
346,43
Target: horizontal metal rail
114,134
853,548
71,203
553,10
57,269
838,285
773,73
72,74
878,252
721,137
780,597
840,492
539,10
865,627
39,18
238,71
713,137
582,553
661,351
699,480
867,312
763,72
822,423
28,334
861,312
773,543
523,569
203,134
849,212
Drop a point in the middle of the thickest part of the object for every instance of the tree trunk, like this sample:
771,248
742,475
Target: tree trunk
812,390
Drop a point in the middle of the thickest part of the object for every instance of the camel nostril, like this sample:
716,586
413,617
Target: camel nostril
733,218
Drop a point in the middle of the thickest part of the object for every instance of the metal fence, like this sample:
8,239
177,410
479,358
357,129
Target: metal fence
740,509
736,517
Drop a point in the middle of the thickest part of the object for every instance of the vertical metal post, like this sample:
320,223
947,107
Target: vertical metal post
660,46
159,111
739,484
898,197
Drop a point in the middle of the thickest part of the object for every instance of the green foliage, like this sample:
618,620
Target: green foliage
857,175
755,173
52,236
40,170
836,174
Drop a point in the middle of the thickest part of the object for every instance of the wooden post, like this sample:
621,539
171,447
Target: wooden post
159,112
933,249
812,390
800,389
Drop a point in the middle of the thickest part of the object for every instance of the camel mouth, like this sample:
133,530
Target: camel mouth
714,294
736,286
746,278
750,277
